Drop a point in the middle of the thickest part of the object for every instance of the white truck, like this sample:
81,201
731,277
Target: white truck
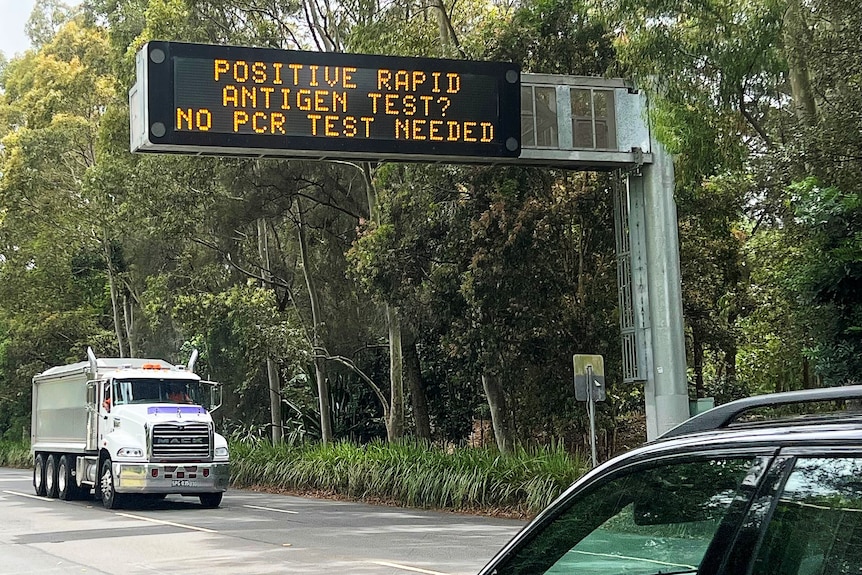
125,426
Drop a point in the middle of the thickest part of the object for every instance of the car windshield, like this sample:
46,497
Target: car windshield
649,521
157,390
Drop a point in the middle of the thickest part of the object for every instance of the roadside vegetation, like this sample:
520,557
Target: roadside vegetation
471,480
479,480
15,454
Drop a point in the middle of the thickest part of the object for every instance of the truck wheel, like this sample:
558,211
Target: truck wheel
66,487
39,475
211,500
51,476
110,498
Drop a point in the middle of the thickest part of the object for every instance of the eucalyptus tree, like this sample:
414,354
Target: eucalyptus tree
754,98
502,273
824,162
54,252
178,192
449,249
53,100
715,101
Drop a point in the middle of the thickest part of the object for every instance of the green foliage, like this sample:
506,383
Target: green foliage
52,275
46,20
710,97
752,97
249,314
481,262
412,475
829,277
554,37
15,453
239,329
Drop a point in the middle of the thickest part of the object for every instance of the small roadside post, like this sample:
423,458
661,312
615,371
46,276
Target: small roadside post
590,387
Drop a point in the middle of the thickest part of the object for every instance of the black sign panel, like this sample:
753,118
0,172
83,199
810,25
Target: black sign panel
229,100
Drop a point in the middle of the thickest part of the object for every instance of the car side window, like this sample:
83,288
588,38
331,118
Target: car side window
816,526
659,519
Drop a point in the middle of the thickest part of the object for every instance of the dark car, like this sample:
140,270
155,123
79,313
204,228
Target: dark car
723,493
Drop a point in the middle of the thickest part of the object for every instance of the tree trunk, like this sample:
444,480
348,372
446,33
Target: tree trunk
129,319
443,26
730,365
115,304
271,369
395,425
582,272
395,421
499,415
320,31
274,401
413,375
697,352
319,368
795,31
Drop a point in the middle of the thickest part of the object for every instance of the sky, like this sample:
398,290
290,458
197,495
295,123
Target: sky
13,16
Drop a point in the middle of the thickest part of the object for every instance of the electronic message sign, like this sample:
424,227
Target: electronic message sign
230,100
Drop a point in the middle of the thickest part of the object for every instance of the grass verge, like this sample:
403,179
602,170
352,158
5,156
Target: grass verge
405,474
412,475
15,454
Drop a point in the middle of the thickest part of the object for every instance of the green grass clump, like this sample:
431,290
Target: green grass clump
15,454
412,474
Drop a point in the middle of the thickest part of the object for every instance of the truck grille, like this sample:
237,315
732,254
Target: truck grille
190,441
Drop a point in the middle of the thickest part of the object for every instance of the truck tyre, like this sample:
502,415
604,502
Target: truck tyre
39,475
211,500
51,476
67,489
110,498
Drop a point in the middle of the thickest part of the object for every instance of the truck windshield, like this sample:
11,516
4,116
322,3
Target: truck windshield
157,390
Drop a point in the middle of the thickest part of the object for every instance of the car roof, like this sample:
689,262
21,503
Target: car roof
785,433
733,413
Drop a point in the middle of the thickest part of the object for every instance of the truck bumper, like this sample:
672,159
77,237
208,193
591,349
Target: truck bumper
171,478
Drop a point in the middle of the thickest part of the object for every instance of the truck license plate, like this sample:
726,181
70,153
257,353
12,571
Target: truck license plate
183,483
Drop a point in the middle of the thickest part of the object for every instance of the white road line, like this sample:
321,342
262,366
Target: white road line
407,568
172,524
271,509
129,515
19,494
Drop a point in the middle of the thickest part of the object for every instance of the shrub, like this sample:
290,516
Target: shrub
15,454
412,474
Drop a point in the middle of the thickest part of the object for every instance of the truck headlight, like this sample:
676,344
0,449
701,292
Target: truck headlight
221,452
130,452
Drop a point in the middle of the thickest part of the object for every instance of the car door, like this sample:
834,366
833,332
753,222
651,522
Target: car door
676,514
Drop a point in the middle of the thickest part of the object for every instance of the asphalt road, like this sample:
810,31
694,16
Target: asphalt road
251,533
